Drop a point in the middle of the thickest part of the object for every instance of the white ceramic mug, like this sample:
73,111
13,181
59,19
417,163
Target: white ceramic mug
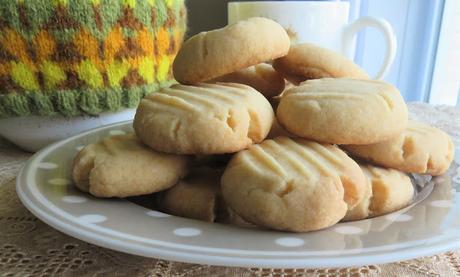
324,23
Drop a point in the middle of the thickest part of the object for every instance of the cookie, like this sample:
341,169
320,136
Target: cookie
121,166
419,149
343,111
308,61
197,196
234,219
208,55
261,77
292,184
205,119
388,190
278,131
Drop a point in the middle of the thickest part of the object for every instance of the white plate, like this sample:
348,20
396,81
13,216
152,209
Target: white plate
32,133
44,186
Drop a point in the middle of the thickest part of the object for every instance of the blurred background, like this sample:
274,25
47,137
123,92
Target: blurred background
427,63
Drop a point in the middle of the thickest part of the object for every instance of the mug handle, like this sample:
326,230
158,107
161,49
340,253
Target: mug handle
388,33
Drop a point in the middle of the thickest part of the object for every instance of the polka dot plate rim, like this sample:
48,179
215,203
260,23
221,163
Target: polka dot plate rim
44,187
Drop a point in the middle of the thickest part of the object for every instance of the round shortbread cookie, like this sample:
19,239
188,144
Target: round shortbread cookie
278,131
343,111
388,190
420,148
308,61
121,166
205,119
292,184
208,55
261,77
197,196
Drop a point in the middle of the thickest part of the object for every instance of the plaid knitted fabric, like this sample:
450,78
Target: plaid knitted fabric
75,57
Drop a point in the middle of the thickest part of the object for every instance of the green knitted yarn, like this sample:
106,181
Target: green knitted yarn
75,57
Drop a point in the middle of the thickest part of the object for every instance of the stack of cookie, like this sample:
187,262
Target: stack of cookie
211,148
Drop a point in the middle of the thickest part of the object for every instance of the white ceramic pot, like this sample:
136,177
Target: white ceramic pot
32,133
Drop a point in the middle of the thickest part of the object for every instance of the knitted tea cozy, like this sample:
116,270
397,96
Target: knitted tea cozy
76,57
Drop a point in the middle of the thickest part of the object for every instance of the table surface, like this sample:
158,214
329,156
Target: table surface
30,247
